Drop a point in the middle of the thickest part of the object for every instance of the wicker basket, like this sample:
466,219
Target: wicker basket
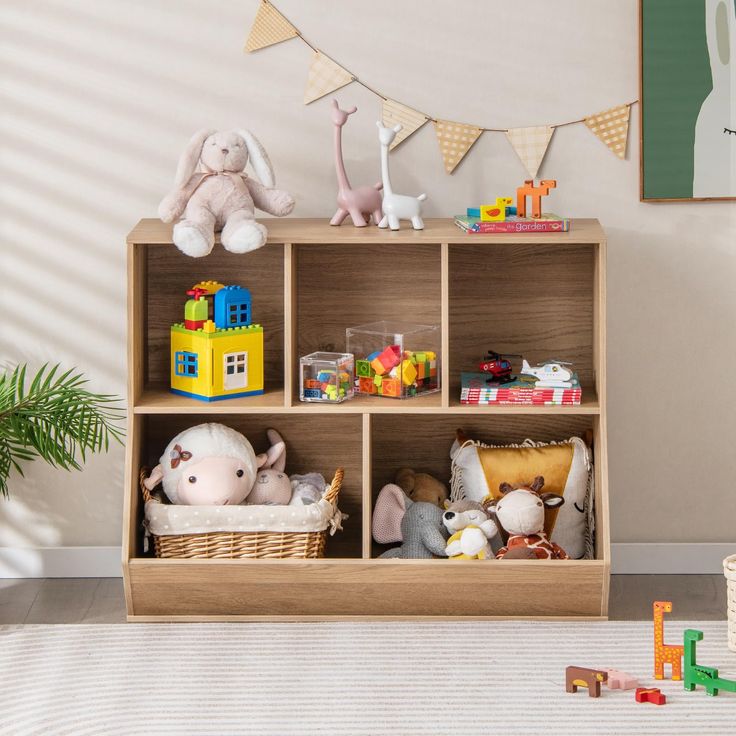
729,570
254,544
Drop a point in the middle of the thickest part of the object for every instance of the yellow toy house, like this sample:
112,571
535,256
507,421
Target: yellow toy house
217,352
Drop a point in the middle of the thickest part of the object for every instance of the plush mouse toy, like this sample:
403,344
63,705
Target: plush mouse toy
208,465
213,193
470,527
520,511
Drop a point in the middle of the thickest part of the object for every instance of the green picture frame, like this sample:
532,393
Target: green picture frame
687,93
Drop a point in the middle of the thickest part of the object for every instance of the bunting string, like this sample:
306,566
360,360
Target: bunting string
455,139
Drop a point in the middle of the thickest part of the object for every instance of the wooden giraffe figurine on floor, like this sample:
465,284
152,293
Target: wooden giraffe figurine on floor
665,653
536,193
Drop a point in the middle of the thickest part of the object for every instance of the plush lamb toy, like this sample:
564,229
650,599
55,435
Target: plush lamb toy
520,511
271,486
208,465
470,527
212,191
417,524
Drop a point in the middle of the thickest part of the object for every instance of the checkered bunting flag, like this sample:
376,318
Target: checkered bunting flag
269,27
455,140
325,76
530,145
612,128
410,120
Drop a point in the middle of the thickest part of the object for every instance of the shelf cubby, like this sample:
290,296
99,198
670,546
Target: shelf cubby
539,295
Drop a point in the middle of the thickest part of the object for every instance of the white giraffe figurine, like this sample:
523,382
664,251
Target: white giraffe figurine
396,206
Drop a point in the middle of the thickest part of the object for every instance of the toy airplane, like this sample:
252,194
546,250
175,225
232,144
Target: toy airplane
550,373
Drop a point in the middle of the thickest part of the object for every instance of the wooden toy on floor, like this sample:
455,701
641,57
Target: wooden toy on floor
650,695
576,677
362,202
396,207
536,193
665,653
618,680
698,674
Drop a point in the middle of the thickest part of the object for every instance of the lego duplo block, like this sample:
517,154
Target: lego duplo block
420,357
311,383
391,387
312,393
366,385
326,376
377,367
363,368
408,372
390,357
377,380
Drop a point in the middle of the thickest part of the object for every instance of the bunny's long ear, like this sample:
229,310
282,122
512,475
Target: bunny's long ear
190,157
277,451
258,159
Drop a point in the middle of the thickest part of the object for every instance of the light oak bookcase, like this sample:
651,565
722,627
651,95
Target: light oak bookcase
538,295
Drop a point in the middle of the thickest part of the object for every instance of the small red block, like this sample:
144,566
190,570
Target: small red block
650,695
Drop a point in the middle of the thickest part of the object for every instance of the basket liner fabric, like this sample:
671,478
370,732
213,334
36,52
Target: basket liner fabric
168,519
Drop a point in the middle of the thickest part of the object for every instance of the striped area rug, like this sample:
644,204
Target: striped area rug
357,679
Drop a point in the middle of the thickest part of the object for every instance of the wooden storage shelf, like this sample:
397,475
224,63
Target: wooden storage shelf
539,295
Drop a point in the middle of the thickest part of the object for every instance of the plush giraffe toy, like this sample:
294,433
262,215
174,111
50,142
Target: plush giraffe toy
665,653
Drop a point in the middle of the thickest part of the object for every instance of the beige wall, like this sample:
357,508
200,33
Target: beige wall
97,98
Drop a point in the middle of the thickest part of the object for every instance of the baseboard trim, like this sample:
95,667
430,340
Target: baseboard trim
60,562
669,558
104,562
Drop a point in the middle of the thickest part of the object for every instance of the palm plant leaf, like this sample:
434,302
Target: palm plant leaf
55,418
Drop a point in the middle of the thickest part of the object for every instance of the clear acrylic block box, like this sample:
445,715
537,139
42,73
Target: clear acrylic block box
326,377
395,359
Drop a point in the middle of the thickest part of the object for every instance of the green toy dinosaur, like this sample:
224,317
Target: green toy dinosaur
698,674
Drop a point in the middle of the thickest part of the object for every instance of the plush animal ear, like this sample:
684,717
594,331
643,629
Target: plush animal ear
388,513
261,460
279,461
154,478
538,484
446,504
461,437
190,157
397,128
258,159
552,500
504,488
406,479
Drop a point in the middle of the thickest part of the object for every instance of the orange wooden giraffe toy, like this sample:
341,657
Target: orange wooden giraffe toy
665,653
536,193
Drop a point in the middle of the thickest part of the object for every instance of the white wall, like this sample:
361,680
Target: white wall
97,98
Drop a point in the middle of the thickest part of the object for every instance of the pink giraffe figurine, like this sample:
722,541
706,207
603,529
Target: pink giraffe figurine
359,203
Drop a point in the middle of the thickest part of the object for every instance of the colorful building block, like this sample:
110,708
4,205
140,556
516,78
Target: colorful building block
232,307
366,385
618,680
408,372
312,393
391,387
576,677
473,211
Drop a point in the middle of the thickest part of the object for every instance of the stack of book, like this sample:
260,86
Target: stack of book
476,390
547,223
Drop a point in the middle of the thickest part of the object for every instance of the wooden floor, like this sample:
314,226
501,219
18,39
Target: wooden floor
100,600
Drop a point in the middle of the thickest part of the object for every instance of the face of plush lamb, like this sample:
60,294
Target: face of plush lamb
214,481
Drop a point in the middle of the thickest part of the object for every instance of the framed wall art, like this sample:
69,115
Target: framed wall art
688,99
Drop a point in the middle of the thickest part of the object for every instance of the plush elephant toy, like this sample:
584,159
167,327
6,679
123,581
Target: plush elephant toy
212,191
417,524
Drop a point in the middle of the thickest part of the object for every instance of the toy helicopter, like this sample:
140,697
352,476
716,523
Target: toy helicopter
549,373
498,365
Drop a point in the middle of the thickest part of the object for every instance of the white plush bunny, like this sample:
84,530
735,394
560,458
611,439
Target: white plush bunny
212,191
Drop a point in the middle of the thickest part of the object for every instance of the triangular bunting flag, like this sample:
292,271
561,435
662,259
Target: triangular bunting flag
269,27
612,127
325,76
530,145
410,120
455,140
